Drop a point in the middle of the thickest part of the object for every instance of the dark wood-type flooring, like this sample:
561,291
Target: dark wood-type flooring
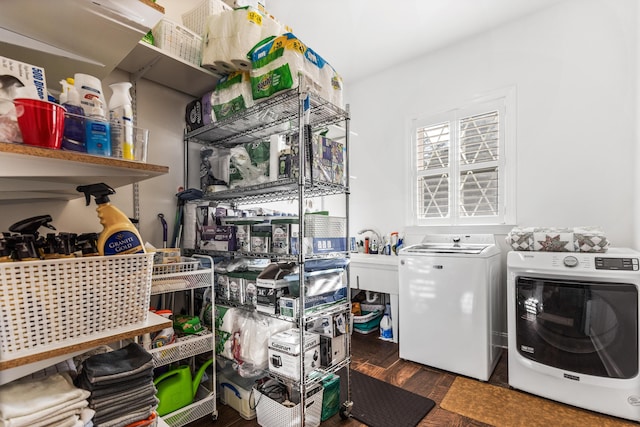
379,359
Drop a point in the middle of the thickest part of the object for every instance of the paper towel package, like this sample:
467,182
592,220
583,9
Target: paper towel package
231,95
277,64
231,34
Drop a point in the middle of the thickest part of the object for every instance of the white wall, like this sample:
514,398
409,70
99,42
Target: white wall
574,67
574,70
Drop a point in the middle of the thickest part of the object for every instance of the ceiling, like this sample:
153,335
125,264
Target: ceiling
363,37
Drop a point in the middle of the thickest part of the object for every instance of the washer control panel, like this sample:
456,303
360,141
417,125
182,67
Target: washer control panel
606,263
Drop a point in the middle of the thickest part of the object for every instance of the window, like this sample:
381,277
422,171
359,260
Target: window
460,170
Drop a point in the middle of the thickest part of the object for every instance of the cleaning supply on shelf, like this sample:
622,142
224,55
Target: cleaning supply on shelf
165,336
97,131
74,128
386,331
119,236
90,90
121,117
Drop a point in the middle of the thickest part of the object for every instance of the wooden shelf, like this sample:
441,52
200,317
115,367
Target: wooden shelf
157,65
33,173
46,355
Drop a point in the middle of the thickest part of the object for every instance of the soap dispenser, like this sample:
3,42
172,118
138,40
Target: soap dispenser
98,132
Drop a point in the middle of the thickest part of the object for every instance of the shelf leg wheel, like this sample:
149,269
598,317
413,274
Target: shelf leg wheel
345,410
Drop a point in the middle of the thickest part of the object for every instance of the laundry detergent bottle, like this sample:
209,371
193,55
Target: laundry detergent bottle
119,236
121,117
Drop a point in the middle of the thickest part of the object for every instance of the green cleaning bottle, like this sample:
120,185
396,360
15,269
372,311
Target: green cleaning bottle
119,236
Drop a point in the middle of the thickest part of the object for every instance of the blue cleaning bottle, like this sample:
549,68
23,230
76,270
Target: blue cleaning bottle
74,127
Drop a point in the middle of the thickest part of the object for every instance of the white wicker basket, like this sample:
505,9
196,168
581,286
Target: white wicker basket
53,301
178,40
196,18
186,264
271,413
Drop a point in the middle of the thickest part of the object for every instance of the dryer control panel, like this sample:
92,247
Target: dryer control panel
606,263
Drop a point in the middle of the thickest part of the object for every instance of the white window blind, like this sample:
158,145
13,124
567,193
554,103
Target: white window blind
459,169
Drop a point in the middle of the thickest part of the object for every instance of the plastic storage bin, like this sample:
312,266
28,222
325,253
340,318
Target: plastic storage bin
370,319
237,392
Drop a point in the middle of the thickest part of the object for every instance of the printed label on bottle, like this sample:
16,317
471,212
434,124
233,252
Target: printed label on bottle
123,242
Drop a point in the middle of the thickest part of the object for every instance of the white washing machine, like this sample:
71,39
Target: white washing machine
573,328
451,303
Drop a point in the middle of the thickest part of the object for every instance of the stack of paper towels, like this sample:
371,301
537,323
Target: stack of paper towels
231,34
231,95
278,63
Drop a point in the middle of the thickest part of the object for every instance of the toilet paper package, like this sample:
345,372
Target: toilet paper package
277,64
207,108
231,95
231,34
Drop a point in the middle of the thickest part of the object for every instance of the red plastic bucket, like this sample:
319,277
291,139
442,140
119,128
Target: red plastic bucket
41,122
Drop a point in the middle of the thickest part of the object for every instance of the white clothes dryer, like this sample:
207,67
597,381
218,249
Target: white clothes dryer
451,303
573,328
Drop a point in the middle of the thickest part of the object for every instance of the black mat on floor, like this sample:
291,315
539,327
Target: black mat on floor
380,404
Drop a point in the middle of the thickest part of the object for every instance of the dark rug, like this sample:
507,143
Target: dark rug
380,404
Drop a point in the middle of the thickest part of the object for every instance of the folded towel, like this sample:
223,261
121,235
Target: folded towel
138,393
121,363
125,408
114,391
128,400
45,417
42,395
120,420
108,386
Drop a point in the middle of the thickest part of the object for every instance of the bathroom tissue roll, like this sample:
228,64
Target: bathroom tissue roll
230,35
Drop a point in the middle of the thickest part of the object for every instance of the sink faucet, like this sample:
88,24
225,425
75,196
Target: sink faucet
378,237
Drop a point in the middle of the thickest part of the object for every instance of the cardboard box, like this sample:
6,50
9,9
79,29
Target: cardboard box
243,237
331,325
333,350
222,287
218,237
319,245
289,306
236,288
19,80
19,73
284,353
268,294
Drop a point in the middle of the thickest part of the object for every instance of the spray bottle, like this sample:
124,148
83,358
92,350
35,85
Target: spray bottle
119,236
74,132
121,117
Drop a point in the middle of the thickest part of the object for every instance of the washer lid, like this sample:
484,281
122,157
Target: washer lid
447,248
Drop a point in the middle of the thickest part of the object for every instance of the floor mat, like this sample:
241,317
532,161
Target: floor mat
380,404
503,407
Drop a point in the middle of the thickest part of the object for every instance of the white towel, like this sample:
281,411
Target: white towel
28,396
49,416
